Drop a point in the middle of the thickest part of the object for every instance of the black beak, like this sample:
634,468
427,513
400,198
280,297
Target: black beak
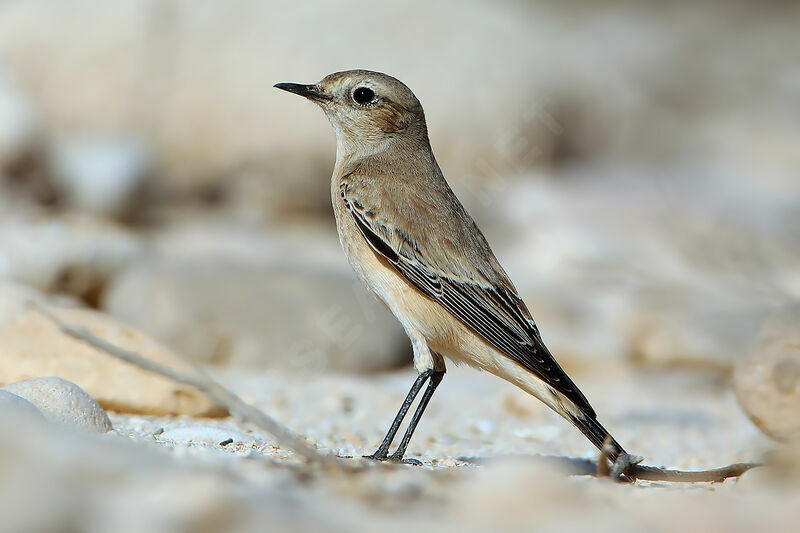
312,92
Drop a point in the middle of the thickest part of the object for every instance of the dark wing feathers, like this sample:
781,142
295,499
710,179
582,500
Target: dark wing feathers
494,313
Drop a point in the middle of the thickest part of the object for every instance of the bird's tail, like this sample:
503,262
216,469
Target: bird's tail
596,433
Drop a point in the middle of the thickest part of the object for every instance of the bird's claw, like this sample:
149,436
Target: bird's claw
407,461
393,458
622,464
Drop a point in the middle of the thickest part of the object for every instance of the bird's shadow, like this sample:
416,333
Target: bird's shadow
573,466
627,470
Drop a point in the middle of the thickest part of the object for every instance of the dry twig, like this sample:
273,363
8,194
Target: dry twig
235,405
573,466
715,475
627,468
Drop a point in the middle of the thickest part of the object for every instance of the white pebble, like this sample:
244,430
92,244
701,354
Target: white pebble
63,402
485,427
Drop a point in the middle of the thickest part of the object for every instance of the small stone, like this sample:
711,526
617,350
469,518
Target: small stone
767,383
31,346
267,314
74,254
63,402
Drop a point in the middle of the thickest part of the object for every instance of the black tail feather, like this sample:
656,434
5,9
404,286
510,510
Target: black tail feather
596,433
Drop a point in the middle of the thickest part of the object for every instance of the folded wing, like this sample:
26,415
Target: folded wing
493,311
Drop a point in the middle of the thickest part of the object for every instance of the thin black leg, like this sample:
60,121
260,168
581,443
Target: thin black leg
382,452
436,378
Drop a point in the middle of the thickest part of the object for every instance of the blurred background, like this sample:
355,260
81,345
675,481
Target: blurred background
635,165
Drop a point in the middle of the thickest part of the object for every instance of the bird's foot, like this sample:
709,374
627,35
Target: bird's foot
405,460
393,458
623,464
375,457
381,454
619,468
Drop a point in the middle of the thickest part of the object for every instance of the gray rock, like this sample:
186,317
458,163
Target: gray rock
63,402
295,316
767,382
71,254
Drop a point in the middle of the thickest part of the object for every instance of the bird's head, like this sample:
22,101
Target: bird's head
364,106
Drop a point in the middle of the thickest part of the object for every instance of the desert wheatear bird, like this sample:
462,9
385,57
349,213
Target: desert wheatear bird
412,243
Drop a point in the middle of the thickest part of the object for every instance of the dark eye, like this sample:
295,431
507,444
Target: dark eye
363,95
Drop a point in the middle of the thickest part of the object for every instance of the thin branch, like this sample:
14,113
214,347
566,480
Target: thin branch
715,475
235,405
574,466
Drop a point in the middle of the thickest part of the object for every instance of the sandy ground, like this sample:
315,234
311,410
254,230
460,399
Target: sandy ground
676,420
